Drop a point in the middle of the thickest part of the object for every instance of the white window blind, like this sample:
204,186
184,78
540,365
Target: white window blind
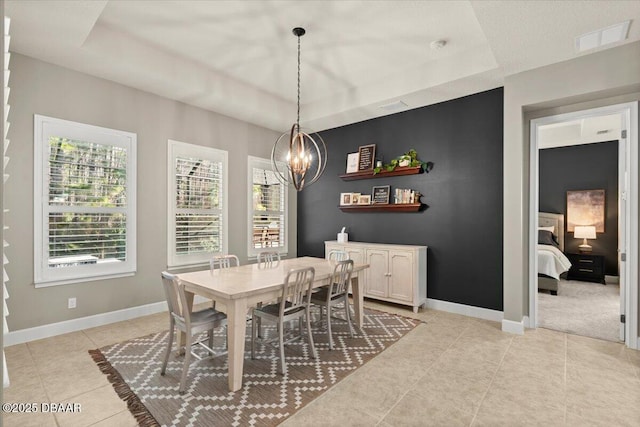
267,209
85,202
197,210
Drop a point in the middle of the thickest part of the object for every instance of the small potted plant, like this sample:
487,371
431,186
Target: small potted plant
408,159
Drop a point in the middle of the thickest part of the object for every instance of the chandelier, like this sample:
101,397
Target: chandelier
299,156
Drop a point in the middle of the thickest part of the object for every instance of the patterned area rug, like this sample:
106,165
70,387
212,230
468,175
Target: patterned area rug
266,399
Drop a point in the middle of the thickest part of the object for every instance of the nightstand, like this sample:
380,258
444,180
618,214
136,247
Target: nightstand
586,268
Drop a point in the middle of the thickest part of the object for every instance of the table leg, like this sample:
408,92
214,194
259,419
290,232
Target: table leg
358,300
236,327
182,338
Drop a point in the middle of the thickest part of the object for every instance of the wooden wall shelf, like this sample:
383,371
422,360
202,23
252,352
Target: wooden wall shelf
382,174
391,207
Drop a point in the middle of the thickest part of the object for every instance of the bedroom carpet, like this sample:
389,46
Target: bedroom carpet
582,308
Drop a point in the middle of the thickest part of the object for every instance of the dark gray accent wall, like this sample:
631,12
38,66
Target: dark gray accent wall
583,167
462,223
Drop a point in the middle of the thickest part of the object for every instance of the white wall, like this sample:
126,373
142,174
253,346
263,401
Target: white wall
41,88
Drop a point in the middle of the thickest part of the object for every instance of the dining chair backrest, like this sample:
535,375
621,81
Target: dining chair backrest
176,298
224,261
341,277
296,292
268,259
171,293
337,255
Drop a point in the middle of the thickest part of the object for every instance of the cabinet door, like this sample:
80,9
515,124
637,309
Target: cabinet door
356,254
401,280
376,275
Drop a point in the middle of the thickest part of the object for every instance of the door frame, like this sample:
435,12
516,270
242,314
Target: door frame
629,146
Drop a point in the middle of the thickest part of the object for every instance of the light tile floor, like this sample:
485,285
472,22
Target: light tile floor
450,371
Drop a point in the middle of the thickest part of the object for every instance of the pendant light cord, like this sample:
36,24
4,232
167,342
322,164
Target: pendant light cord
298,119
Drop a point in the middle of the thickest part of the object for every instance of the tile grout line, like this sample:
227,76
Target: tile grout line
46,392
424,375
636,369
475,415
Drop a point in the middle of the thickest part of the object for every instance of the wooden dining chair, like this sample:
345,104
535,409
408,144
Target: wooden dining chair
337,292
191,323
268,259
294,304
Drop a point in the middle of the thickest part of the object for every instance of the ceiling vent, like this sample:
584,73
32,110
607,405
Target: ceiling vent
602,132
393,106
604,36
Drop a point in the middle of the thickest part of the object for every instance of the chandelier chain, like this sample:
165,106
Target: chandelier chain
298,119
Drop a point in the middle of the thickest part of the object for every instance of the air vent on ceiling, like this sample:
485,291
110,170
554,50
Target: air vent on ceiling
393,106
594,39
602,132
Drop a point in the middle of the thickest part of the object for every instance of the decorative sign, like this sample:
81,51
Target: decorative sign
380,195
367,157
352,162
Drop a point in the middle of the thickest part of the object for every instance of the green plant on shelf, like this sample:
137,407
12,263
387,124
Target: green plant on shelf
408,159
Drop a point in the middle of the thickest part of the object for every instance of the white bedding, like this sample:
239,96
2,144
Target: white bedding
552,262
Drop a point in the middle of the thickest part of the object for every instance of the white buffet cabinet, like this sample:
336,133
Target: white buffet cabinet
396,273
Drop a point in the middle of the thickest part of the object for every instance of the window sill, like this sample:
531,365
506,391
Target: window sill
46,284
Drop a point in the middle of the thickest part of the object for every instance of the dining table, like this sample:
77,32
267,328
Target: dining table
241,288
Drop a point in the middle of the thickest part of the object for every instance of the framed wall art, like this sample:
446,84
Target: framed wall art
345,199
585,207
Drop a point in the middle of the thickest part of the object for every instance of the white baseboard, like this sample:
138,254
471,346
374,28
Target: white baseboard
73,325
465,310
612,279
526,322
513,327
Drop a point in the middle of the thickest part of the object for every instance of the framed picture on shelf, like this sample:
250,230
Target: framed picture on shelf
364,199
380,195
352,162
346,199
366,157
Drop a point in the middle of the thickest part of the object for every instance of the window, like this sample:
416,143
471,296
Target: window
197,203
267,209
84,202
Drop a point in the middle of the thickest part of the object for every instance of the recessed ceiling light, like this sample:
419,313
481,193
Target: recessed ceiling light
393,106
613,34
438,44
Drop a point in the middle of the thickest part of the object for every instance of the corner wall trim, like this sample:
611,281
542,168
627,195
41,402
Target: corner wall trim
45,331
465,310
513,327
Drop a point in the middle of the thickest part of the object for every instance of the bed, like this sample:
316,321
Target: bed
552,262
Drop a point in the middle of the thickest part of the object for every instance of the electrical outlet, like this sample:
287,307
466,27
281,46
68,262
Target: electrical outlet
72,303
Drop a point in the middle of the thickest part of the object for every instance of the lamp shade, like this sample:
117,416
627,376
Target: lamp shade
585,232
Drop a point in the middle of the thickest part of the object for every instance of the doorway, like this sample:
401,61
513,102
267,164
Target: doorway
627,203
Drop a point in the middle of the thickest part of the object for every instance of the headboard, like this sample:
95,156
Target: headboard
546,219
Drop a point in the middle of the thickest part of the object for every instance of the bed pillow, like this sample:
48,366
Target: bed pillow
546,237
551,228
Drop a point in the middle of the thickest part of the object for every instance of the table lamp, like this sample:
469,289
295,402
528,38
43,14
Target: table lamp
584,232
